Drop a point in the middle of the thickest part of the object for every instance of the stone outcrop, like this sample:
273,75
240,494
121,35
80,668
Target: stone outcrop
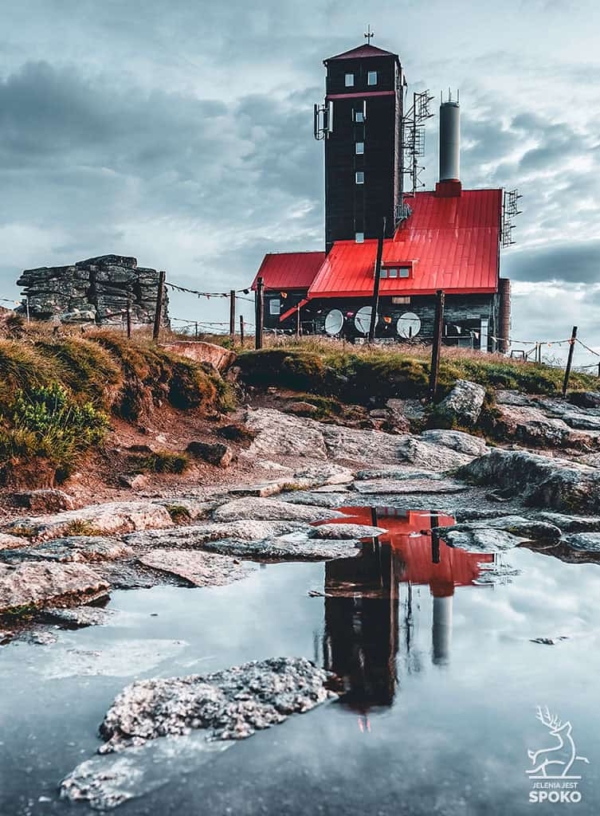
199,568
70,549
34,584
228,705
47,500
531,426
218,357
463,404
540,481
215,453
96,290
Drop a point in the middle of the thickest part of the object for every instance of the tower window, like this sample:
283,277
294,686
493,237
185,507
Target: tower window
360,177
360,148
372,78
349,80
359,237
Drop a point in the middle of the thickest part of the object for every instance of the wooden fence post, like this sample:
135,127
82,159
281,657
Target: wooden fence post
159,304
437,344
298,322
260,313
375,302
242,331
128,318
232,315
569,360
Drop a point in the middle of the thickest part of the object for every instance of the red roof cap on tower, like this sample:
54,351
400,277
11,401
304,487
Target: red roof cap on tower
362,51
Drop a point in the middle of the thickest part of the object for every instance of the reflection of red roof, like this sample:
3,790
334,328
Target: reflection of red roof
362,51
450,243
410,538
289,270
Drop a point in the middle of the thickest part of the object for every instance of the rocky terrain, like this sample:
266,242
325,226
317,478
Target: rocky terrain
96,290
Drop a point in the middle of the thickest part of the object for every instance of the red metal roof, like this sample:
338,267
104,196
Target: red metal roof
289,270
451,243
362,51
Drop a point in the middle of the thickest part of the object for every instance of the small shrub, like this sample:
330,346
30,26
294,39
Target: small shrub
163,462
81,527
179,514
46,422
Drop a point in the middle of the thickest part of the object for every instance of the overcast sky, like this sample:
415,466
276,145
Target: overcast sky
181,132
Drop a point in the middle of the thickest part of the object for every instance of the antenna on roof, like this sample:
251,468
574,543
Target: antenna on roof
369,35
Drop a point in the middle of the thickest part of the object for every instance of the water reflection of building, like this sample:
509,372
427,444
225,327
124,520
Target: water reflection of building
362,622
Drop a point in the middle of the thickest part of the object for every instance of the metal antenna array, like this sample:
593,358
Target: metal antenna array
413,138
510,209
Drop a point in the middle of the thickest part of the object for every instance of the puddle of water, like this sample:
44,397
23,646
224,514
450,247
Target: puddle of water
433,646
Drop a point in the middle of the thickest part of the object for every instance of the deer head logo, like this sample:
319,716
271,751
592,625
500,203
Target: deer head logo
556,761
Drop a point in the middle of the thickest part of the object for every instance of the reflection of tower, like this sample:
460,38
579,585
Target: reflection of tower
442,629
361,626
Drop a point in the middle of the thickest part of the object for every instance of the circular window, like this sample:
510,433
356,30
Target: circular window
362,319
334,322
409,325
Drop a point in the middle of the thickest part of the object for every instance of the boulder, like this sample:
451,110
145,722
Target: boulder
347,532
12,542
32,585
585,399
482,540
199,568
44,501
218,357
297,546
195,536
300,408
271,510
506,397
532,426
215,453
587,542
97,519
134,481
456,440
78,616
540,481
463,404
228,705
529,529
70,549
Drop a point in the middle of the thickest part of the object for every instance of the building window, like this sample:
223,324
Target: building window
275,306
404,272
393,272
372,78
359,116
359,237
400,300
384,273
349,80
360,148
360,177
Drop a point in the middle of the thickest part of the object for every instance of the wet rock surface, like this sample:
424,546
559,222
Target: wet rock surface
484,540
199,568
78,616
516,525
291,547
271,510
34,584
113,517
228,705
72,548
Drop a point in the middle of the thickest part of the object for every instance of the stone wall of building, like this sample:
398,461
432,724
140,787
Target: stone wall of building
96,290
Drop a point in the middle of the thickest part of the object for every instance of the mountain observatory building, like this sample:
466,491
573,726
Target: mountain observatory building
445,239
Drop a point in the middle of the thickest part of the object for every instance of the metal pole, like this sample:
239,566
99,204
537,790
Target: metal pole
260,313
569,360
196,329
128,318
159,304
437,344
232,314
375,303
242,331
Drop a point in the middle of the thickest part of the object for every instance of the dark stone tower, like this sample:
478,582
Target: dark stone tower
361,124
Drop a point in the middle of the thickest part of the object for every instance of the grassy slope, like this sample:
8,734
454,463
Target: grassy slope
100,372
